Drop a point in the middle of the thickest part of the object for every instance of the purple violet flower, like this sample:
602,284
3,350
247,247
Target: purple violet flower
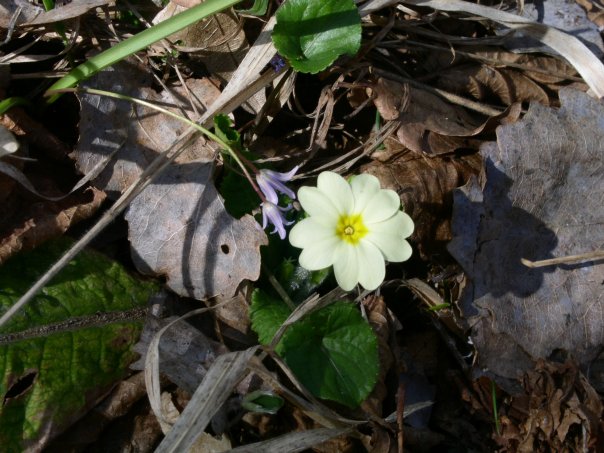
271,182
277,62
273,214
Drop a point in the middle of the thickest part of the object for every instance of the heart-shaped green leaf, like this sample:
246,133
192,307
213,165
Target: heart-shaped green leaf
333,351
311,34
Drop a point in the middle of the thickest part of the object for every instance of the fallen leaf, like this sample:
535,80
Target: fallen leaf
186,353
428,124
27,224
542,198
218,42
563,15
557,411
594,12
483,82
425,186
178,227
137,134
24,12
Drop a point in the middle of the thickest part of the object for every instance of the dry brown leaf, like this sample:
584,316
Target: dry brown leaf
425,186
550,69
483,82
179,228
218,41
428,124
28,223
595,11
559,411
34,133
137,133
542,198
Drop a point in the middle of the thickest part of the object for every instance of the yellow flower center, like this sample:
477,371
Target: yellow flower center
351,228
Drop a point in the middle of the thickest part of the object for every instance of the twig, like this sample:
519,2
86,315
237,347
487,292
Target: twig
591,256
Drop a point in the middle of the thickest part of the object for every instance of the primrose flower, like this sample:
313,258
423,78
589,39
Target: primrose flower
271,182
273,214
354,227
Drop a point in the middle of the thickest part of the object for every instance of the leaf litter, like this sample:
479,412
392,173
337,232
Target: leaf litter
444,93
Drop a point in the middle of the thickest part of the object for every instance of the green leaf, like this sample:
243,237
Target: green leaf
258,8
263,402
311,34
267,314
223,126
239,197
333,352
52,375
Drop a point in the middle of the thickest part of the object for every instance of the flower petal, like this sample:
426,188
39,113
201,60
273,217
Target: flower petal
336,189
389,236
394,248
309,231
346,266
372,269
318,205
364,188
382,206
319,255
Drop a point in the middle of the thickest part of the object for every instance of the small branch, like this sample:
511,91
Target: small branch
591,256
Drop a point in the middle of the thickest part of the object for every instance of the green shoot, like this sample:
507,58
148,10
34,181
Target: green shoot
495,411
138,42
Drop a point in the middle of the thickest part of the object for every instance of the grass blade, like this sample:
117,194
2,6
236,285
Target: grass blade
138,42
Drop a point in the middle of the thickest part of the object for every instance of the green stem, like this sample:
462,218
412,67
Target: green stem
138,42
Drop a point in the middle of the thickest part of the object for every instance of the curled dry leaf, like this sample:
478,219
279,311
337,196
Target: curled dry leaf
425,186
558,411
428,124
27,224
542,199
483,82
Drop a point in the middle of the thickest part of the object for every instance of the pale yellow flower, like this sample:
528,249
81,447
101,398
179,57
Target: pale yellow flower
354,227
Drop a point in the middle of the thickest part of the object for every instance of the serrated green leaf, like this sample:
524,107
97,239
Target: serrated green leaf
311,34
333,352
65,371
267,314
